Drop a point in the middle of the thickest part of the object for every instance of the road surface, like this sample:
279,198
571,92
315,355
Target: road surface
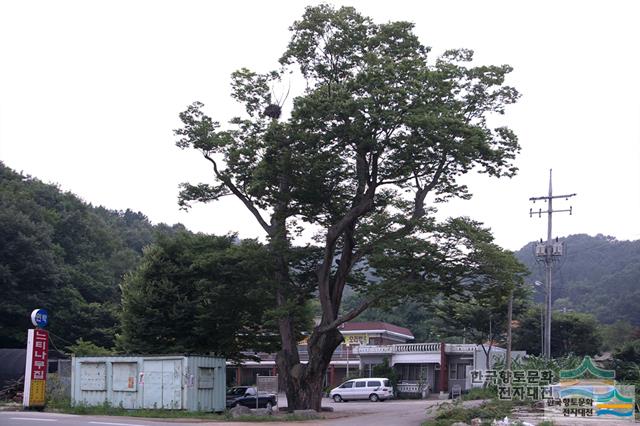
399,412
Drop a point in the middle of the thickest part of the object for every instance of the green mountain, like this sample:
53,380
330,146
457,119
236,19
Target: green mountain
598,275
60,253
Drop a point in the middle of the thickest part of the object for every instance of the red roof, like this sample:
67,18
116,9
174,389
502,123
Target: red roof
375,325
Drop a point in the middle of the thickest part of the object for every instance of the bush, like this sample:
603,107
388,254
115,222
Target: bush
451,413
385,370
531,362
58,395
480,393
87,348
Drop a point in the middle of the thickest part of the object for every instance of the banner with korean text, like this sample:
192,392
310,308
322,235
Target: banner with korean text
35,374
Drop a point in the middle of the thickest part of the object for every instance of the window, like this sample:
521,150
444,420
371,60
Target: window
205,377
458,371
386,383
361,384
373,384
347,385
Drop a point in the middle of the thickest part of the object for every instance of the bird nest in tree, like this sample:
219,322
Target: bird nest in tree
273,111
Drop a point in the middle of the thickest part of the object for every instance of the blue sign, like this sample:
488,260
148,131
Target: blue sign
40,318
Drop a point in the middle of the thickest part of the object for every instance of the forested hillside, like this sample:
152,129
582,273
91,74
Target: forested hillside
598,275
60,253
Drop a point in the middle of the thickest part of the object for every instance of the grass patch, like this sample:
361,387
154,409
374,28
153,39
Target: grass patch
488,412
480,393
107,409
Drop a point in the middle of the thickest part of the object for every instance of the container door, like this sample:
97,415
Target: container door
152,388
172,384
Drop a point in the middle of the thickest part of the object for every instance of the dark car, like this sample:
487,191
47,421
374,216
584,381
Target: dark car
246,395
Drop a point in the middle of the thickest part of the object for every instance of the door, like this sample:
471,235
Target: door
346,390
172,384
360,390
152,384
162,384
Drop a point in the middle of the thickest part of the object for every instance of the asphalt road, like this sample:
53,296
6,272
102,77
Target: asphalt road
28,418
388,413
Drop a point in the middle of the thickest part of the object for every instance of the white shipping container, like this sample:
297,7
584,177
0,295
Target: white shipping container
193,383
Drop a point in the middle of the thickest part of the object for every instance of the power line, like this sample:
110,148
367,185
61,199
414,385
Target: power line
549,253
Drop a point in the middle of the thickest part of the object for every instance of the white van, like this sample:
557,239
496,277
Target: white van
372,388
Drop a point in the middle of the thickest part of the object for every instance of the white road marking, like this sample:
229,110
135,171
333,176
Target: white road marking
32,418
115,424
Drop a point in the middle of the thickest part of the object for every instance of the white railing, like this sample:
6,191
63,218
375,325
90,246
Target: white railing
417,347
399,348
411,387
459,347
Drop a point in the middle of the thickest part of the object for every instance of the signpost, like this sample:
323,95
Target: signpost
35,372
267,384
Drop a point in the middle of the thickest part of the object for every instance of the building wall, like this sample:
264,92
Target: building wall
459,367
132,382
205,387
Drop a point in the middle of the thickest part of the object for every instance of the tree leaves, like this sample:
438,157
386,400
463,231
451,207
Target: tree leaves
200,294
59,253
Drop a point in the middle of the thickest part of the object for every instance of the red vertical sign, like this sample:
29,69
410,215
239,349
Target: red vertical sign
40,354
36,368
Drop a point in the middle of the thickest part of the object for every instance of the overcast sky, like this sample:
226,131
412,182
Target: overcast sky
90,92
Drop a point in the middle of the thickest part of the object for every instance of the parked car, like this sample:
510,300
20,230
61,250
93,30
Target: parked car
247,395
372,388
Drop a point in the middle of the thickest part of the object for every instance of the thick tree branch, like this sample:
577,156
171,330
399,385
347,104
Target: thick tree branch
242,197
349,315
344,268
418,212
333,234
330,296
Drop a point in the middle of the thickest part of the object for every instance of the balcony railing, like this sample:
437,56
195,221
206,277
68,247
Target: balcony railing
418,347
398,348
355,351
459,348
411,387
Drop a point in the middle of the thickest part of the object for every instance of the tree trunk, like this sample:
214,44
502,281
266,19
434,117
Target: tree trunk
303,382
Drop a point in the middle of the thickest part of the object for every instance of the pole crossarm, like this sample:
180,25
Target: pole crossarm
547,197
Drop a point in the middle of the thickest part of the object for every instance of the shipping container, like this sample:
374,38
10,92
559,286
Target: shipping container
193,383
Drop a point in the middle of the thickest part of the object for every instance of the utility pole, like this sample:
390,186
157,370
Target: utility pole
509,321
548,253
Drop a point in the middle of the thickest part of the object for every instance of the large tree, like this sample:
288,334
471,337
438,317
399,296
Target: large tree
571,333
198,294
479,311
379,137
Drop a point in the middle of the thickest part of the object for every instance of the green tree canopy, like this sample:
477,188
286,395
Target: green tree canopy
380,136
199,294
571,333
62,254
626,361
